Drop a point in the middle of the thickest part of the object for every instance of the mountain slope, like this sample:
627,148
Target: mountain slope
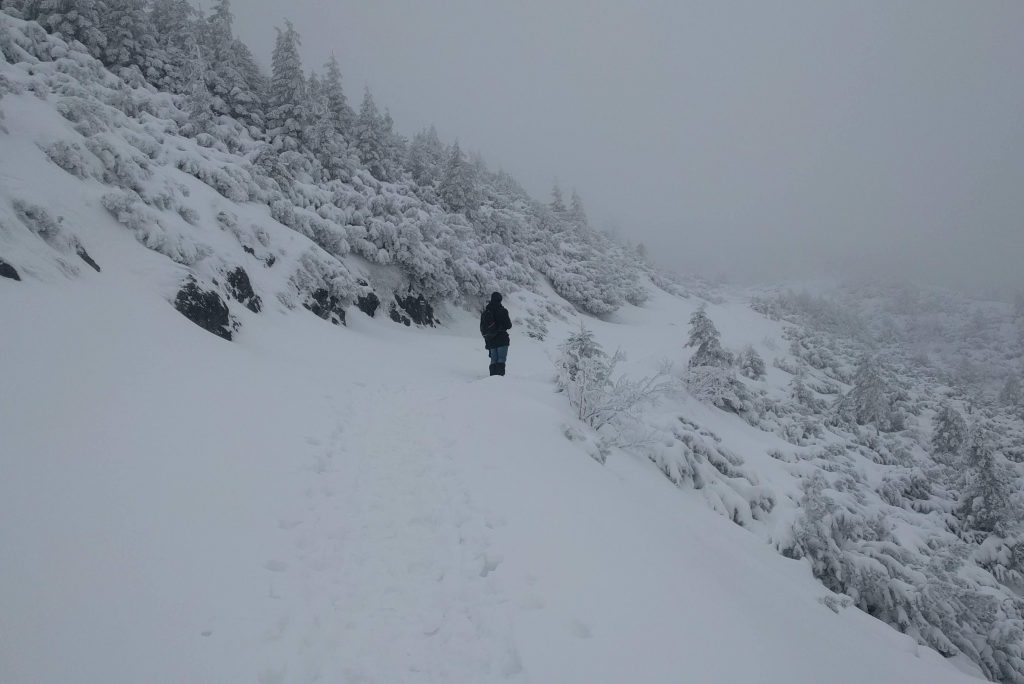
311,502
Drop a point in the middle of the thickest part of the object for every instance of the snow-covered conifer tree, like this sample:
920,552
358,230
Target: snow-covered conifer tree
323,137
232,75
129,34
801,393
949,434
395,146
287,114
1011,395
341,114
426,157
174,31
369,138
706,338
79,20
198,100
557,202
868,401
988,481
576,210
458,184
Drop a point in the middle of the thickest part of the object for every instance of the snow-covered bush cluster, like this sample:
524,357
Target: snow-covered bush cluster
911,497
153,87
902,488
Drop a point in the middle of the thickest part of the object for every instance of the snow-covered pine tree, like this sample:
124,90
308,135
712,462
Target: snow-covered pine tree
232,75
79,20
458,184
323,138
247,85
314,93
710,376
338,110
425,159
557,202
287,113
1011,395
867,403
801,393
129,35
577,213
950,435
198,100
369,138
174,31
986,506
395,147
708,342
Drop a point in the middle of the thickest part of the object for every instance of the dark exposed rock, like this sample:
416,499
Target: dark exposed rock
241,290
326,306
397,315
270,260
250,250
368,303
205,308
8,271
87,259
417,308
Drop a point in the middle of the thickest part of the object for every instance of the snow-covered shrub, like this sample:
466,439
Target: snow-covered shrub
129,210
751,364
121,165
87,116
69,156
53,232
585,374
322,284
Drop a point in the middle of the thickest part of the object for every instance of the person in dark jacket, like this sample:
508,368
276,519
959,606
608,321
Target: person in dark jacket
494,326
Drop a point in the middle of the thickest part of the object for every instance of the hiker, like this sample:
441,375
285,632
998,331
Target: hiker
494,326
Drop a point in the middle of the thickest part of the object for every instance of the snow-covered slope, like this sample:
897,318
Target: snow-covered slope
356,502
314,503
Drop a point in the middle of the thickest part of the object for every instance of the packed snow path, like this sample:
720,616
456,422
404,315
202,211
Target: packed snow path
312,503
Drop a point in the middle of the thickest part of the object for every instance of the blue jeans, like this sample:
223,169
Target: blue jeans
498,354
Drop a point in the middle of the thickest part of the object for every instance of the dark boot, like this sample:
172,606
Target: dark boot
501,368
494,369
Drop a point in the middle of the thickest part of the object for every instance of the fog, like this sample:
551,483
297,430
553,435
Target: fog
748,139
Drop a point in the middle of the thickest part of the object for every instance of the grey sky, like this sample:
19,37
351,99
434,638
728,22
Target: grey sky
752,138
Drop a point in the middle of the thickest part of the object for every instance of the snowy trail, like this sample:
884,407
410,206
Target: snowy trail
391,558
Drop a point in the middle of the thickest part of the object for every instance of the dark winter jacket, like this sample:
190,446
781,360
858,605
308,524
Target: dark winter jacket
495,324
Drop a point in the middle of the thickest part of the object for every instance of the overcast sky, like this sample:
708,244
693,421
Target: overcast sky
756,139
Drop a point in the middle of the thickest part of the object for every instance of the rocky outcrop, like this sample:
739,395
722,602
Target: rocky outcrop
368,303
8,271
84,256
240,289
414,308
326,305
205,308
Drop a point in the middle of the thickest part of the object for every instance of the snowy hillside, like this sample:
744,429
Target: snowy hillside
311,503
245,433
